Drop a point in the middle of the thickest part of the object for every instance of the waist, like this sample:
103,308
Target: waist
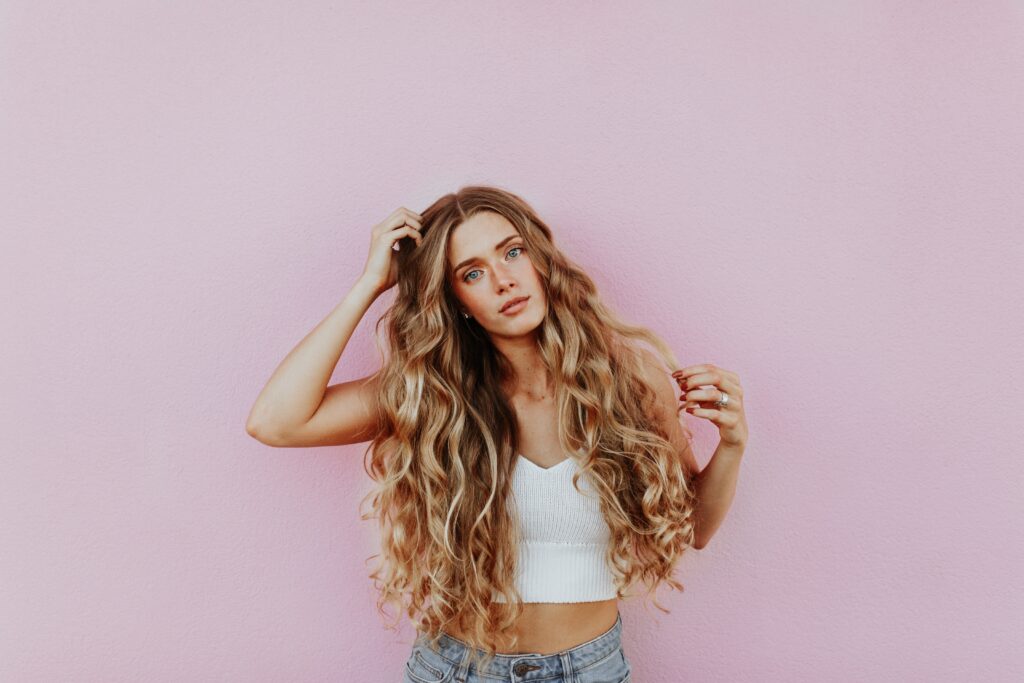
546,628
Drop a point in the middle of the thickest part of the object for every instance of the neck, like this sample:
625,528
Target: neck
530,380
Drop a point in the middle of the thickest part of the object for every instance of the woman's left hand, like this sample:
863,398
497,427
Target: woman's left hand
731,421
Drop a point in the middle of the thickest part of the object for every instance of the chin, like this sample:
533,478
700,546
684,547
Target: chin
534,322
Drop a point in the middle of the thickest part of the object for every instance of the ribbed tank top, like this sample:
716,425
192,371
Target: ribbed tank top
564,535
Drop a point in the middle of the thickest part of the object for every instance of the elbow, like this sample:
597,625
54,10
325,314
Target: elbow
259,433
699,541
260,428
251,428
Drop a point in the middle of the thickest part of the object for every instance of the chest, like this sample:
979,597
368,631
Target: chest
537,424
551,511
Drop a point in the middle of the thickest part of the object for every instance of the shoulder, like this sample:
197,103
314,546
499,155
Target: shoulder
666,391
654,373
666,408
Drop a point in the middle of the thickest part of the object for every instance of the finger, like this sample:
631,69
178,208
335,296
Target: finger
706,367
394,221
413,233
717,416
697,375
405,231
691,370
406,217
730,407
708,396
710,378
715,379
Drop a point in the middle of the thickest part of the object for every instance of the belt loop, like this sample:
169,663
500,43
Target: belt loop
568,671
463,671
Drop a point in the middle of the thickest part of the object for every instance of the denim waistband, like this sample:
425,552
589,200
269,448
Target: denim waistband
533,666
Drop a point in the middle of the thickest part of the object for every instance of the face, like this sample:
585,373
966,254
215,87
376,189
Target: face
491,267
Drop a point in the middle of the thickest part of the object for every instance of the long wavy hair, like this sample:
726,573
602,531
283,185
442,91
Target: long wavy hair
442,463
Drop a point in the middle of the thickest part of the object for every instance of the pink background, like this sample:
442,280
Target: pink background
823,197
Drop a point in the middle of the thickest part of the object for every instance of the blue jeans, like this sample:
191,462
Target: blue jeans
600,660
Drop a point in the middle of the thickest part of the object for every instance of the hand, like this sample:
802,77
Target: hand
731,421
381,269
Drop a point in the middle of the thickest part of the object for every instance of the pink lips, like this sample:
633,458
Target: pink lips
515,305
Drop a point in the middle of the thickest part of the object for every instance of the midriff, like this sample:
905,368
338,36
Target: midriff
549,627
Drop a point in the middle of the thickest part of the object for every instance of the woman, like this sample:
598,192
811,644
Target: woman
528,454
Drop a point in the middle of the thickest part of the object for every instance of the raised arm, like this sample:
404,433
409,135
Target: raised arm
296,407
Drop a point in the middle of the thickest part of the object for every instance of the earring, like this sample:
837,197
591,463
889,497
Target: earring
465,315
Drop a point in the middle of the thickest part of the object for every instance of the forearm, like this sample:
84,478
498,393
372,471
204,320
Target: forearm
294,392
716,487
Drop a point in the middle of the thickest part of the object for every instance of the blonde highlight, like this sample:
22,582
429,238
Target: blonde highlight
443,461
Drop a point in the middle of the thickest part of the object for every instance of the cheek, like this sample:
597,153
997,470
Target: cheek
532,272
473,300
538,284
463,297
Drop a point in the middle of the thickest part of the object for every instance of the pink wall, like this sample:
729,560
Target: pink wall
823,197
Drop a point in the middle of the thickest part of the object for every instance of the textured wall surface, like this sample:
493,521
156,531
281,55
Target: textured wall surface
823,197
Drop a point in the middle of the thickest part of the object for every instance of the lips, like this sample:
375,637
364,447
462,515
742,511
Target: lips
513,302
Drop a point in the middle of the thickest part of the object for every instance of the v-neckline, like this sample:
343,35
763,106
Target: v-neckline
545,469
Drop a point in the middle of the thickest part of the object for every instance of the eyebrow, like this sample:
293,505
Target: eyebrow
497,246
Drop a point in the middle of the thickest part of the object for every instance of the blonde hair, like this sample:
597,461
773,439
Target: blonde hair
443,460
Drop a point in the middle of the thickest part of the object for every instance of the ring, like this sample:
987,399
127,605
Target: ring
723,402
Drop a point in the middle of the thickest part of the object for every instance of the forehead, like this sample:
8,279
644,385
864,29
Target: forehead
478,235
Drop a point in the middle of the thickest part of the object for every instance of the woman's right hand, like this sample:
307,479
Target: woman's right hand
381,270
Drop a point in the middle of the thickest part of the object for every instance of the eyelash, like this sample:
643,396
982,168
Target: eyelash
465,275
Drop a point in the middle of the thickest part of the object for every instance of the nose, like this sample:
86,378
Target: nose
503,279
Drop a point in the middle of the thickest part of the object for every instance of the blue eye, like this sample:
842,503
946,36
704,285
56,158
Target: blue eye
467,278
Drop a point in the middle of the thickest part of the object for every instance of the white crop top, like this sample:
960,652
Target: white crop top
564,535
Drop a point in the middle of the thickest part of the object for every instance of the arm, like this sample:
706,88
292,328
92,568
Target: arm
296,408
716,486
716,483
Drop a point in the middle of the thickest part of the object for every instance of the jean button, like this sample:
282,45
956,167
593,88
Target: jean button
522,667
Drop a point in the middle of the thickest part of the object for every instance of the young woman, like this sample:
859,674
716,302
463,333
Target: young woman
529,460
